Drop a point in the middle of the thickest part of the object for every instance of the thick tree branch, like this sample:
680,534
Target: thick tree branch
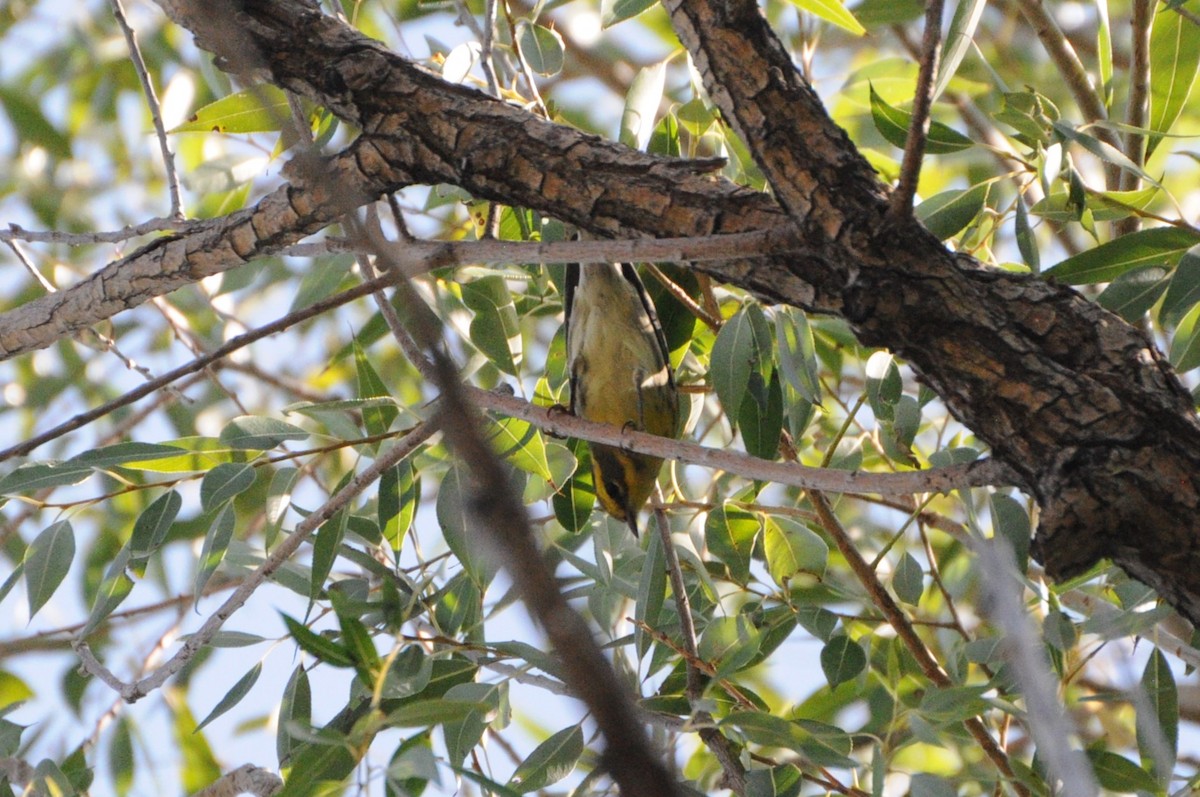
1076,400
1079,403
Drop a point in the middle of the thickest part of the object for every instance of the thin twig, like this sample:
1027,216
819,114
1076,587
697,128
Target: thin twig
486,54
139,66
908,635
900,204
1138,105
198,364
138,689
721,746
15,232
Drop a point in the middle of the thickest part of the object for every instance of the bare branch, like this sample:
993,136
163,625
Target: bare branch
900,203
139,66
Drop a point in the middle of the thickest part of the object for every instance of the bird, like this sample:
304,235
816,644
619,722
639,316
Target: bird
619,371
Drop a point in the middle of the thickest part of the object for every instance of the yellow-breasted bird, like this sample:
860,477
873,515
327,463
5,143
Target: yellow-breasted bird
620,373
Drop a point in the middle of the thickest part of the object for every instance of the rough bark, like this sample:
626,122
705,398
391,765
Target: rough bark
1077,402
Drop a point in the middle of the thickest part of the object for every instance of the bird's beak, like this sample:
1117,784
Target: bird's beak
631,519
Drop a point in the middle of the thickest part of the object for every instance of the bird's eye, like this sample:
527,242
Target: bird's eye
615,489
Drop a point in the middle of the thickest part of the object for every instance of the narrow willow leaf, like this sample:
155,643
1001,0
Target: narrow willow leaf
1185,348
1184,289
893,123
1026,239
121,453
463,734
734,356
234,695
47,560
151,527
1159,246
652,590
519,442
1132,294
641,105
224,482
40,476
258,433
550,761
948,213
614,11
258,109
1119,774
958,41
832,11
295,712
495,328
114,588
326,543
1174,60
120,756
377,419
216,543
315,644
399,493
279,498
1158,716
574,501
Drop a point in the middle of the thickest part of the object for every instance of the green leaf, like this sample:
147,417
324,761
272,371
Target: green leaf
258,109
279,498
1159,246
114,588
451,511
295,712
1185,347
783,780
730,643
731,533
259,434
842,659
1010,520
234,695
120,756
1174,60
1119,774
47,560
908,580
326,543
221,484
542,48
408,674
792,548
550,761
1132,294
1184,289
216,543
1026,239
31,125
797,353
832,11
377,419
761,416
436,711
519,442
957,42
40,476
321,280
948,213
494,329
573,502
893,123
151,527
651,594
463,734
641,105
399,494
1158,716
953,703
614,11
734,355
322,647
121,453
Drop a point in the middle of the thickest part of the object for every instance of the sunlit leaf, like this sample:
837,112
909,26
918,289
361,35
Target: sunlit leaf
832,11
893,123
258,109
